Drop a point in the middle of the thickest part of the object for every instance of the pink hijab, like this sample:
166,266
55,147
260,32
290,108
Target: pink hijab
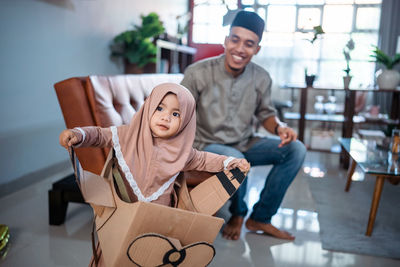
150,164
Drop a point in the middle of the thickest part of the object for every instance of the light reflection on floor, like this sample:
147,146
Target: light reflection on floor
320,172
314,171
358,176
308,254
297,220
287,218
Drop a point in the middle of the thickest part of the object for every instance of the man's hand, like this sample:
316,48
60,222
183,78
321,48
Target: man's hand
275,126
68,138
286,134
242,164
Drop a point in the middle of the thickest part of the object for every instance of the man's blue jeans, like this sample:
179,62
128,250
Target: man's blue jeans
286,162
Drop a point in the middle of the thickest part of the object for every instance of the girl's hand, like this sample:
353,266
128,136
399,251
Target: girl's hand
68,138
242,164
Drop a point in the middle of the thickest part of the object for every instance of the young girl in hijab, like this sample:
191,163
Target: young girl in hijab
155,146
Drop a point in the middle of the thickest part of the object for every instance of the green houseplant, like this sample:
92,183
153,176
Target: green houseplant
388,78
136,46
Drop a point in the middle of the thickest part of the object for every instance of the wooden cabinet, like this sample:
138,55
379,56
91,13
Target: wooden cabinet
348,118
172,57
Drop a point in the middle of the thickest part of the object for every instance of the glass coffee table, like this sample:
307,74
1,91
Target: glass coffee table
373,160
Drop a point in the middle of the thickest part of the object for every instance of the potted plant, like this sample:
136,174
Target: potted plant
388,78
317,31
136,46
346,52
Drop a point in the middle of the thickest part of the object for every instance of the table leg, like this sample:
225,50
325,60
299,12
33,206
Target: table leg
350,174
303,109
375,202
348,124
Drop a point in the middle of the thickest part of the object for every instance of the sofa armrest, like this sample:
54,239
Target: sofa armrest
76,110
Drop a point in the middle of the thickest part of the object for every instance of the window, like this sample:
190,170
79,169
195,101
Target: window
285,53
208,19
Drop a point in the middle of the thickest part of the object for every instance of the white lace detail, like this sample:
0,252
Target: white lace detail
129,176
227,161
82,132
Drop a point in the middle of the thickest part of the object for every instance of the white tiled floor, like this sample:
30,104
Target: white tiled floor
35,243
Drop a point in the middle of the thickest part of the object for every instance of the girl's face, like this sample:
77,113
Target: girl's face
166,118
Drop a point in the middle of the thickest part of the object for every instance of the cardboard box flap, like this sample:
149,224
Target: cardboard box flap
95,189
209,196
157,250
183,197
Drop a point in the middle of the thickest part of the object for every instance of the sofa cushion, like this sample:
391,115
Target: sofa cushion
114,99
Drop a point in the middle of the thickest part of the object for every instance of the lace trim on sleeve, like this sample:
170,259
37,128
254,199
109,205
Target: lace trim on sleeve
227,161
82,132
129,176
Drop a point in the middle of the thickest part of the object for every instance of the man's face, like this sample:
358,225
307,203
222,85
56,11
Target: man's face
240,46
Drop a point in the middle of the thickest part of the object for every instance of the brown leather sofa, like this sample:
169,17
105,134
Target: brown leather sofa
98,101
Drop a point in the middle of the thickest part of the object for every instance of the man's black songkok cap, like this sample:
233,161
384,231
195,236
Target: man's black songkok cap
250,21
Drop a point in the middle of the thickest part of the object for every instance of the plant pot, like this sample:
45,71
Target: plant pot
310,80
134,69
388,79
346,81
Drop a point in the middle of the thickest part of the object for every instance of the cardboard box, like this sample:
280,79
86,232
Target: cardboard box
148,234
322,139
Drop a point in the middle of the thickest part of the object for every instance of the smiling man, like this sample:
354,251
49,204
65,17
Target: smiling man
231,91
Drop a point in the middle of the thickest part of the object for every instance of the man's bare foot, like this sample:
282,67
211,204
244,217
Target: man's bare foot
233,228
269,229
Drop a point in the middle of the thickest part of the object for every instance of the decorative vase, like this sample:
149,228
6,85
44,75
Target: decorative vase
346,81
387,79
310,80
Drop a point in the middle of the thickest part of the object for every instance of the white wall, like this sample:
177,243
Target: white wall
46,41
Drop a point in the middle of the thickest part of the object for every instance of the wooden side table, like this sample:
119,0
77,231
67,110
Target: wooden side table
382,165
